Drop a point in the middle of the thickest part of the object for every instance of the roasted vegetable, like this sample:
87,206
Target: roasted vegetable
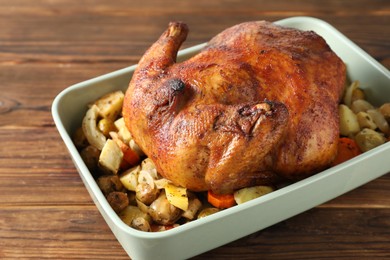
360,106
118,200
111,156
379,120
349,124
109,183
250,193
79,139
357,94
368,139
385,110
106,126
365,120
221,201
146,193
347,149
177,196
194,204
349,92
141,224
129,178
89,125
130,213
163,212
110,105
148,165
90,155
207,212
123,133
134,146
131,157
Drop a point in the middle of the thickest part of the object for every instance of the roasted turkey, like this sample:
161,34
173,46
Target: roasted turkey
257,105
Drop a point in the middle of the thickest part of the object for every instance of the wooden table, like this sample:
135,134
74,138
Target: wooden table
46,46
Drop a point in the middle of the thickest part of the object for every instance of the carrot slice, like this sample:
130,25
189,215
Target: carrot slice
221,201
129,156
347,149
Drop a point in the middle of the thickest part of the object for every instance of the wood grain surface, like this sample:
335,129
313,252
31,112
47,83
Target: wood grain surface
48,45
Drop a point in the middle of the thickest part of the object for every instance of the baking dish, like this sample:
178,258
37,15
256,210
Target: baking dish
204,234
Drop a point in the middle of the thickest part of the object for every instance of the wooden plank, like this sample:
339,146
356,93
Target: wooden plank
36,169
56,232
101,27
77,232
28,90
304,237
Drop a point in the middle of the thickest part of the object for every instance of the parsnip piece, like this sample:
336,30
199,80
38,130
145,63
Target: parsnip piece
120,123
368,139
110,105
349,124
177,196
89,125
111,156
129,178
365,121
250,193
123,132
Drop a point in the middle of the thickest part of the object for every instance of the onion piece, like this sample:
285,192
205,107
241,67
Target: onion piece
89,125
349,91
361,105
379,120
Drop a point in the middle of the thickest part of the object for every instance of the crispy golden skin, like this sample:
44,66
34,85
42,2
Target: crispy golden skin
258,104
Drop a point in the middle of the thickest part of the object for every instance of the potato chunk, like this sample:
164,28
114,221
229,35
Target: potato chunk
250,193
110,105
129,178
349,124
385,110
130,213
368,139
365,120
